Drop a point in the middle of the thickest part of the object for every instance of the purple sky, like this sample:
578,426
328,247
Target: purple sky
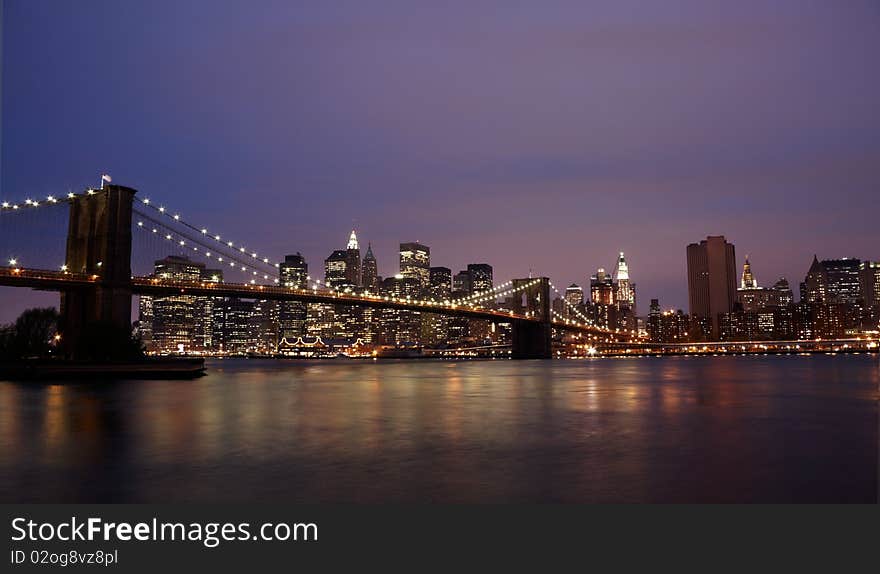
544,135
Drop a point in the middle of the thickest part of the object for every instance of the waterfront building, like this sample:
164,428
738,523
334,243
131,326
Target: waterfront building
711,266
175,323
292,315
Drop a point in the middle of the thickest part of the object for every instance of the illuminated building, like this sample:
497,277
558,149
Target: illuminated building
400,327
711,266
752,297
294,272
815,283
843,284
481,277
574,295
869,273
353,261
415,262
748,280
435,328
666,326
336,269
602,288
624,295
625,291
440,283
173,319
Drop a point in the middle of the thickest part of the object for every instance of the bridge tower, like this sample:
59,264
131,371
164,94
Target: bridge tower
532,339
99,243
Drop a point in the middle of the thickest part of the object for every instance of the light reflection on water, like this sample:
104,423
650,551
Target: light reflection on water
630,430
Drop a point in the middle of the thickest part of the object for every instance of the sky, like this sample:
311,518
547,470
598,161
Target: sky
543,136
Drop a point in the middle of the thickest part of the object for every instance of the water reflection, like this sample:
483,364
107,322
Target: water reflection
661,429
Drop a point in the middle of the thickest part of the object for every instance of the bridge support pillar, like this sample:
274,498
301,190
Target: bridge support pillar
532,339
98,243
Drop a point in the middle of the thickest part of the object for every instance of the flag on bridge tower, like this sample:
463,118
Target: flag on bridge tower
105,177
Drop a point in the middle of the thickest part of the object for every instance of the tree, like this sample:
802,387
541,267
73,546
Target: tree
32,335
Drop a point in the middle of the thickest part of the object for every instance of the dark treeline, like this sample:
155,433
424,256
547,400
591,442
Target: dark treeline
33,335
37,334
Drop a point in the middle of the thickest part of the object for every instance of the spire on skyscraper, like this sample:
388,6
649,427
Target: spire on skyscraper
622,272
353,241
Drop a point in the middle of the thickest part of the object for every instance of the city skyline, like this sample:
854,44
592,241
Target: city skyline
557,176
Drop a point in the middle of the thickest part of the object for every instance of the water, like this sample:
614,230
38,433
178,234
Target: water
695,429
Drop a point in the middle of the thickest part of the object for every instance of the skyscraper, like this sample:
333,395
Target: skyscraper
415,262
815,283
441,283
353,261
748,280
625,289
869,273
369,270
336,268
574,295
602,288
843,284
481,277
294,272
624,295
711,266
173,319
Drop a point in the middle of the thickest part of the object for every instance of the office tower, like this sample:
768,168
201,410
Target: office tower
353,261
369,270
869,273
781,294
233,326
751,297
440,283
294,273
173,322
843,285
415,262
435,328
399,326
748,280
462,284
206,331
711,266
814,285
336,269
626,294
574,295
481,277
264,326
602,288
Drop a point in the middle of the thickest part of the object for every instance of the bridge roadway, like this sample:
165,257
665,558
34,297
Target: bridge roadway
47,280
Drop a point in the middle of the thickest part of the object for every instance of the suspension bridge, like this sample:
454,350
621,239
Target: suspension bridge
96,281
